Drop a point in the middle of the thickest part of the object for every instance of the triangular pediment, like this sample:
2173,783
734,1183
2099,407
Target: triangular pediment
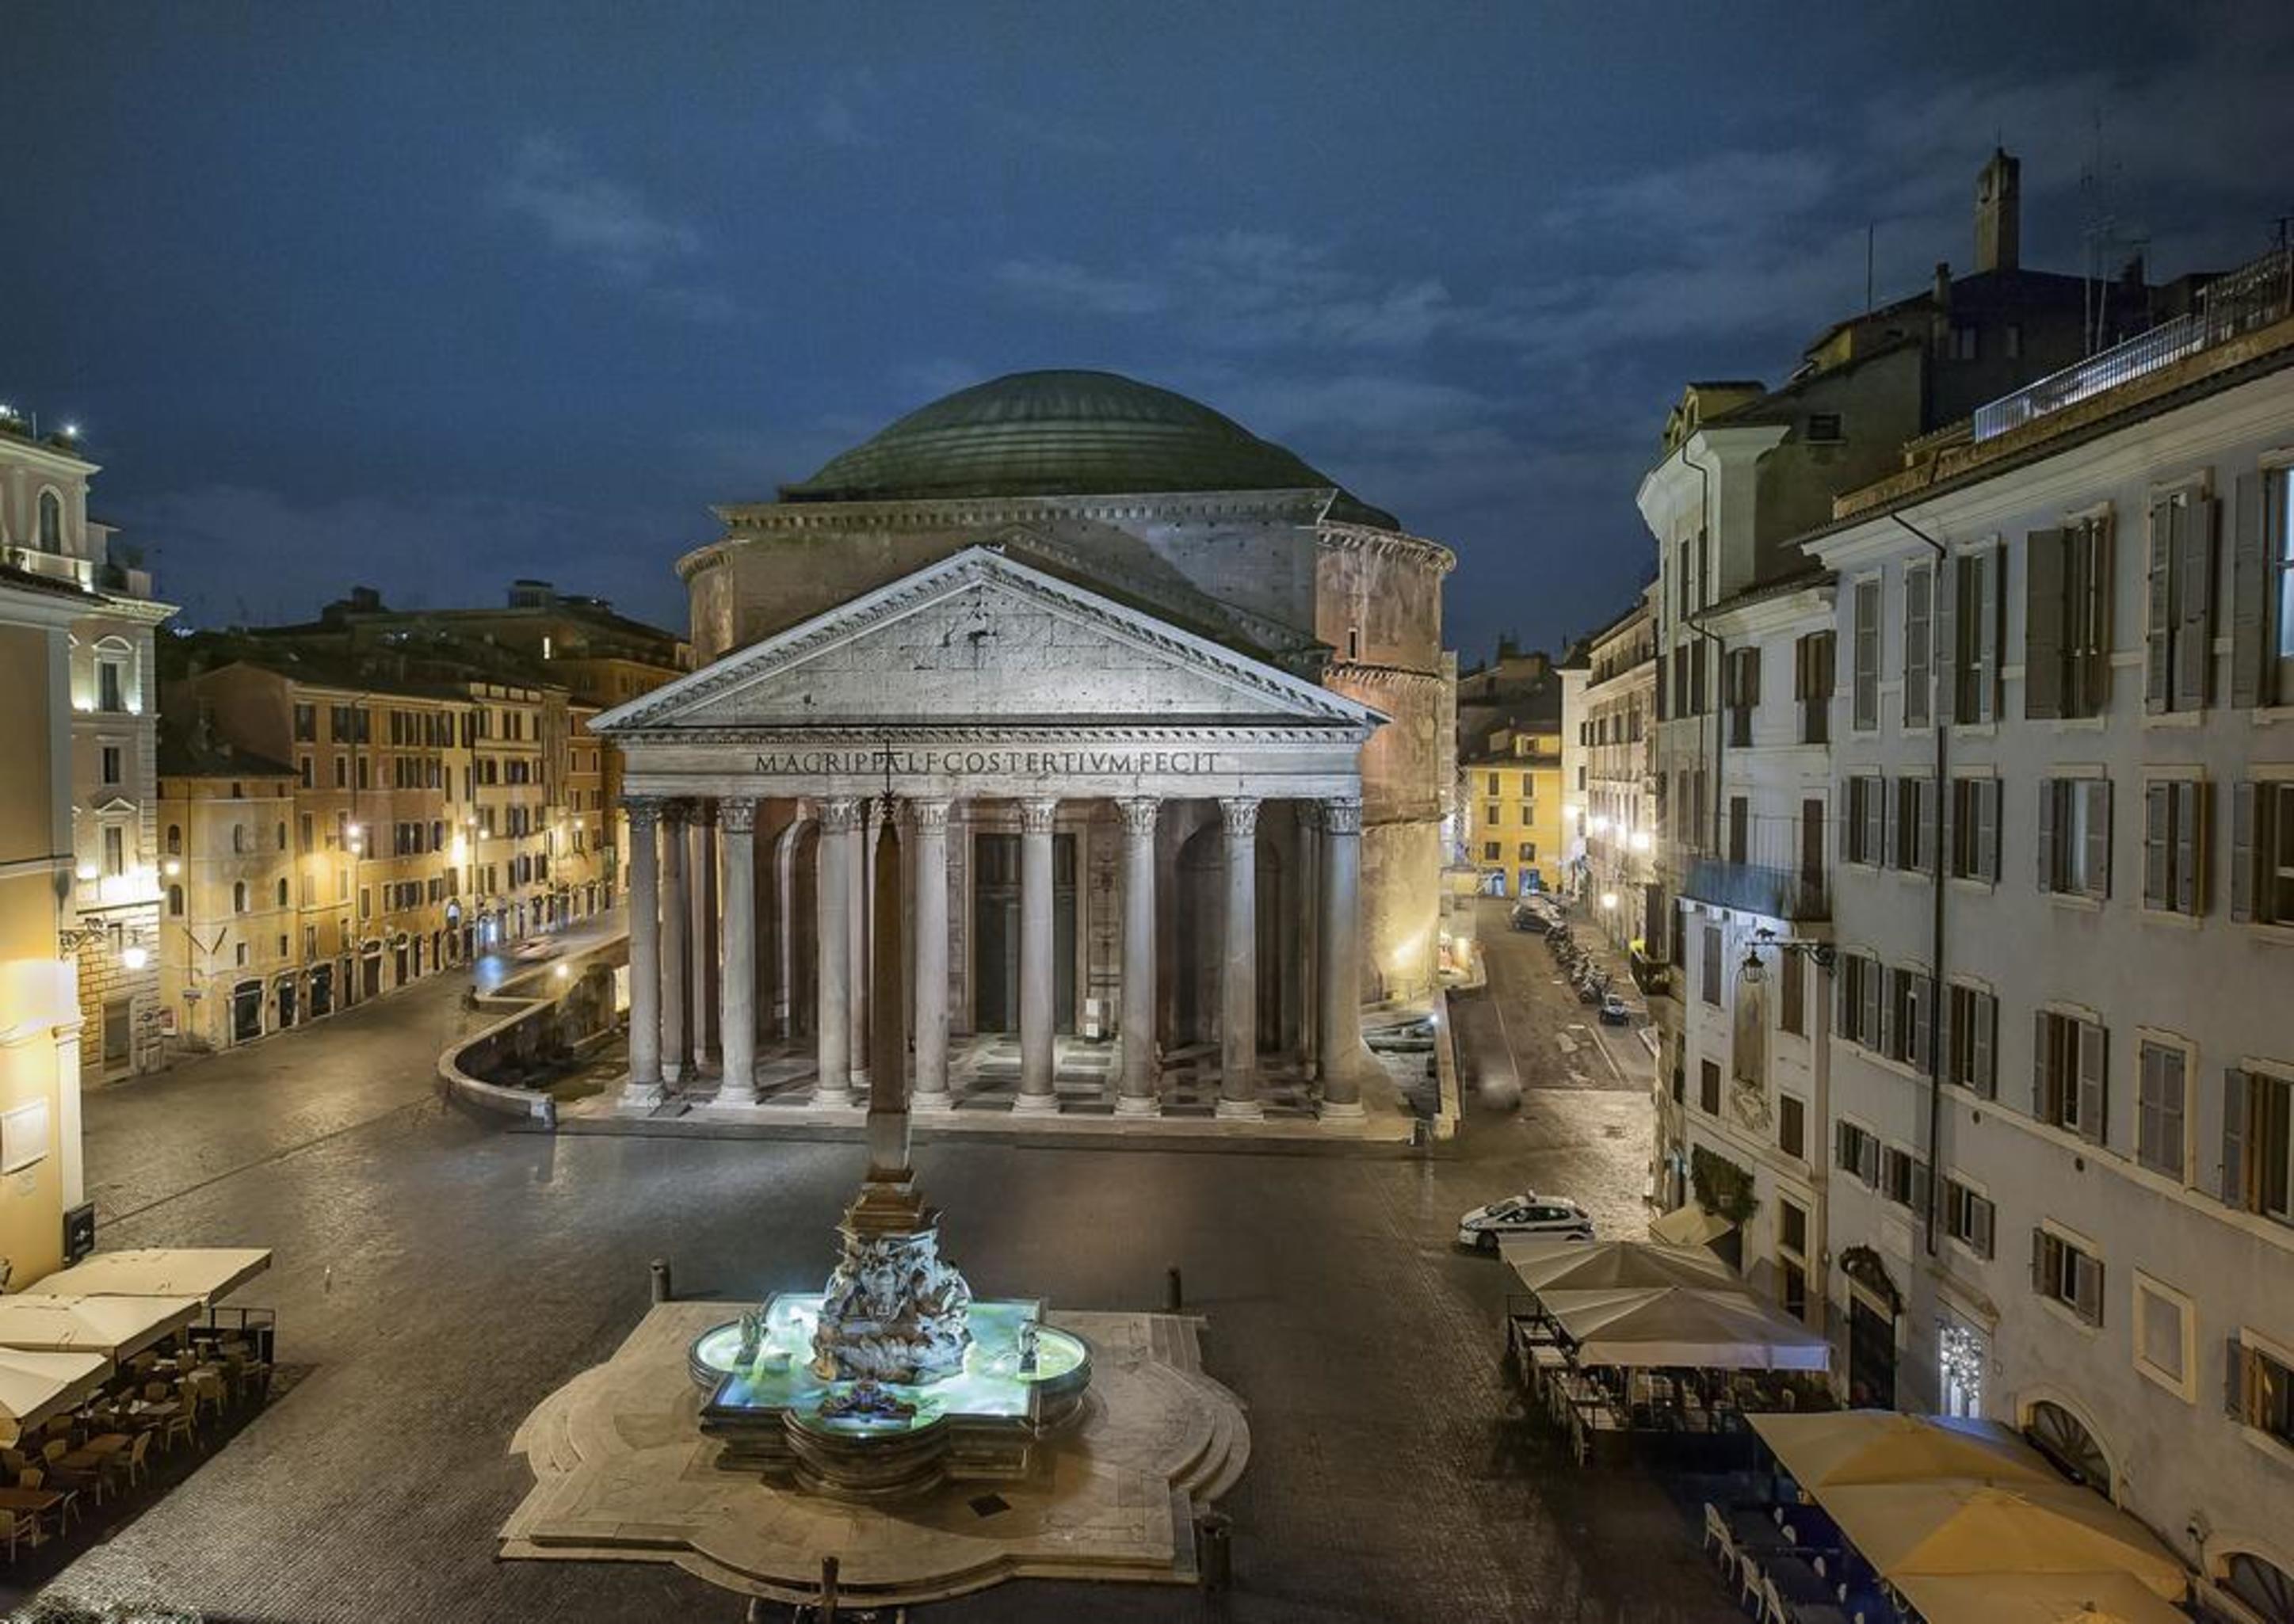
981,639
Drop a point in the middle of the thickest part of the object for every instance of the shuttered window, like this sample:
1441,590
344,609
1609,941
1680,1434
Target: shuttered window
2257,1148
2159,1141
2179,622
1863,832
2067,620
1967,632
1867,655
1914,845
1974,829
1972,1023
2262,590
1812,677
2174,846
2062,1271
2262,853
2070,1075
2075,836
1910,1012
1968,1218
1919,645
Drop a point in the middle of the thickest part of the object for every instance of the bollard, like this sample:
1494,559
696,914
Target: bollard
660,1271
1214,1551
1172,1298
828,1590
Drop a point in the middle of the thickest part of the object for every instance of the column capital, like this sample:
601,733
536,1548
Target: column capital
643,811
704,812
674,813
1342,815
929,815
1139,814
1037,814
1240,814
739,813
841,816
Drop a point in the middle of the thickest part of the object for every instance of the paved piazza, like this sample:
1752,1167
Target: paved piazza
439,1277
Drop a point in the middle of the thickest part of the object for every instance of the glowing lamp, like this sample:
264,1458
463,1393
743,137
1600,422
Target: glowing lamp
172,867
135,958
1609,900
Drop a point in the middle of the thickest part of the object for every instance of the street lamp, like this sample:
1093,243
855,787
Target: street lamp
1641,841
1609,901
1753,972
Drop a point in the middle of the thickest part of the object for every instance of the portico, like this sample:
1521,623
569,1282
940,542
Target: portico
984,804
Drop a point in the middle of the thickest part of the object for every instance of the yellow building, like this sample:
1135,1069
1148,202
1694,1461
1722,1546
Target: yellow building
1512,796
40,1015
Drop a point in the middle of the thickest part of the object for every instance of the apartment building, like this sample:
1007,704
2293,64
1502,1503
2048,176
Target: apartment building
46,535
428,821
1613,810
1511,786
229,966
2062,1092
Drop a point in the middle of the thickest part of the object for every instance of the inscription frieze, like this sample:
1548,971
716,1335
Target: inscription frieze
987,763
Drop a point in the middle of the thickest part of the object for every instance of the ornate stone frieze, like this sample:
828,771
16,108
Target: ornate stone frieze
1239,814
739,814
1337,538
1340,815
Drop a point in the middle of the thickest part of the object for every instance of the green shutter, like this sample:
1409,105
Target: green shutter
2043,623
2249,581
2158,610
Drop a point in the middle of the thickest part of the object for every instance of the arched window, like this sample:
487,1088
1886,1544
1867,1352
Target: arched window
238,897
2064,1439
52,522
175,900
282,893
174,840
239,837
2261,1587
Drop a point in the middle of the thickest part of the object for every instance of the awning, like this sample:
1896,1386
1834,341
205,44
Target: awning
1720,1329
34,1387
113,1327
1689,1226
204,1273
2040,1599
1839,1447
1545,1265
1958,1528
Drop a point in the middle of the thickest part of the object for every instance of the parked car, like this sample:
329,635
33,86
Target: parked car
1532,916
1614,1013
1528,1214
534,951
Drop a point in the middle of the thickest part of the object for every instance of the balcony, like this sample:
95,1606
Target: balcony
1794,895
2234,305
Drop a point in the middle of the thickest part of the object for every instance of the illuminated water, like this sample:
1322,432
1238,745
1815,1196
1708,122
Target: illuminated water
990,1383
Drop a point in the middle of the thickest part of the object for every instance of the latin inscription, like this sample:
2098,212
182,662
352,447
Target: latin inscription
989,763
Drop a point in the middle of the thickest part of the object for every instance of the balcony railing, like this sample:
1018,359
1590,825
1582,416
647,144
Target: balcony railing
1790,894
2234,304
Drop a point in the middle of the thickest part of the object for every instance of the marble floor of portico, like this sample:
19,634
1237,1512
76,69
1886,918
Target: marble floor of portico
983,1089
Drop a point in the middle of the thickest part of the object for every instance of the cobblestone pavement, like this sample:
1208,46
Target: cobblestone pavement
438,1276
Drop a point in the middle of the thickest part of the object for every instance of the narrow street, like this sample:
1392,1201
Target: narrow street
436,1276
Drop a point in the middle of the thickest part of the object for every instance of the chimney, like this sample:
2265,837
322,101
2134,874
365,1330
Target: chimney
1943,284
1998,213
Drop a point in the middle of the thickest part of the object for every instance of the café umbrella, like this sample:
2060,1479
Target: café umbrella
204,1273
2040,1598
1836,1448
1962,1528
116,1327
35,1385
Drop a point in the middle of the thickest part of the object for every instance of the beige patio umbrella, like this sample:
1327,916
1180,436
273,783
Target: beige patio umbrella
1552,1266
2040,1598
35,1385
114,1326
1884,1446
1960,1527
206,1272
1689,1226
1718,1329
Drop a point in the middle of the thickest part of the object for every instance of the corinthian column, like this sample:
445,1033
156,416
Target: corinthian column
675,916
739,821
1346,1060
1038,983
644,1086
1136,1094
833,889
930,825
859,873
707,952
1238,985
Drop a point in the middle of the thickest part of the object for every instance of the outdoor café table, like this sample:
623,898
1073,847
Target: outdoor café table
1796,1581
1757,1535
110,1443
39,1502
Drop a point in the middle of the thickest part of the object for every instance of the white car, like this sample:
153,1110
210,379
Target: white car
1556,1217
535,950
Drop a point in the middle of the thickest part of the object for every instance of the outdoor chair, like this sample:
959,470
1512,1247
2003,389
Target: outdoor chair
30,1477
203,1387
1751,1583
178,1425
157,1392
1718,1540
1772,1606
128,1463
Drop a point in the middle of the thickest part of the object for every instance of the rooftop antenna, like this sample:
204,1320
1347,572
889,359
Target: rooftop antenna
1871,229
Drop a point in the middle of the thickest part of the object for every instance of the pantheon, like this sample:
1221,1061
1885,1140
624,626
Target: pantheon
1064,747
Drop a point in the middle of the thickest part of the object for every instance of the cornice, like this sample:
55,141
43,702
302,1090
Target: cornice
1381,676
873,736
1334,537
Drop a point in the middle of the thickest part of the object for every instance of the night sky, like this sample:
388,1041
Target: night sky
426,297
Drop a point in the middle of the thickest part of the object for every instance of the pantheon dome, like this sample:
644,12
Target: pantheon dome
1064,434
